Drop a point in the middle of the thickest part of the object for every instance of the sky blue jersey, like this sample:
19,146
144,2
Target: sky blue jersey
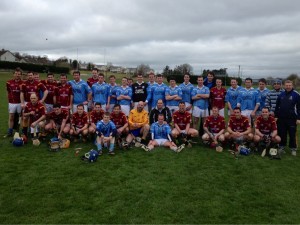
231,96
263,95
173,91
113,92
201,103
186,92
80,91
248,99
160,131
157,92
100,93
124,91
106,129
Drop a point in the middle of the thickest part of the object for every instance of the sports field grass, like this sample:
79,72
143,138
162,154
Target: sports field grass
197,185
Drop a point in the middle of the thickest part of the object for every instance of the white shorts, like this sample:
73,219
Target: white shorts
14,108
85,107
247,113
111,107
49,108
125,109
197,112
173,109
187,104
161,142
145,107
221,112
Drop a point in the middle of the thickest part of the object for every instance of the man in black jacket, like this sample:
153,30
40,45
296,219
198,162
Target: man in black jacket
139,92
160,109
287,112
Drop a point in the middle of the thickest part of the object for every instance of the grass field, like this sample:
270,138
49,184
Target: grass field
197,185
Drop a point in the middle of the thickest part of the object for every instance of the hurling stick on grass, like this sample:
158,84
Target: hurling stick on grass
35,140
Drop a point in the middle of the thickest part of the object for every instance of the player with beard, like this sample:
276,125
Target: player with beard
217,97
121,122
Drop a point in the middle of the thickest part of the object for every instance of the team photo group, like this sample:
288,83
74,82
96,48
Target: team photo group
152,114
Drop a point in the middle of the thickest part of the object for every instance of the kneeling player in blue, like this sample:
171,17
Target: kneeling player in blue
106,132
160,135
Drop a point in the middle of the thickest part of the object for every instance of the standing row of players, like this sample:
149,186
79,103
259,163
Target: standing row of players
207,94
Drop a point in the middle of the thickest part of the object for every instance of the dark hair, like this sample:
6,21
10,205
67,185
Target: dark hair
56,105
80,105
263,80
237,108
76,71
161,115
112,76
95,69
101,74
50,74
18,69
117,105
172,78
200,77
248,78
63,75
211,73
98,103
181,102
159,75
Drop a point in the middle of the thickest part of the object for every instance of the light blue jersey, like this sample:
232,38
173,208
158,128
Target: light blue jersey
80,91
186,92
173,91
160,131
124,91
100,93
203,102
232,95
106,129
248,99
113,93
157,92
263,95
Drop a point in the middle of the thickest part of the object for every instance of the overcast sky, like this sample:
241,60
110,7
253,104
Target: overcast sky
262,36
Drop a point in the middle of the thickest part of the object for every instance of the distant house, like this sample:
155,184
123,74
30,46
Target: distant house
116,69
6,55
101,68
130,70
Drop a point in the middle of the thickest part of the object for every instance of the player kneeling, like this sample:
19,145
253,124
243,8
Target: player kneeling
161,136
79,124
266,131
238,130
59,121
214,128
106,132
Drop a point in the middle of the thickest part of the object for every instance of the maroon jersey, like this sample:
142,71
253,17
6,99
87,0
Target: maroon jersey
217,97
80,121
58,118
32,87
38,108
13,88
95,117
51,90
63,94
238,125
181,119
90,81
119,120
215,124
265,126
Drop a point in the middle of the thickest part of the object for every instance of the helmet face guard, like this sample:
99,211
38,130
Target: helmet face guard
18,142
54,144
90,156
